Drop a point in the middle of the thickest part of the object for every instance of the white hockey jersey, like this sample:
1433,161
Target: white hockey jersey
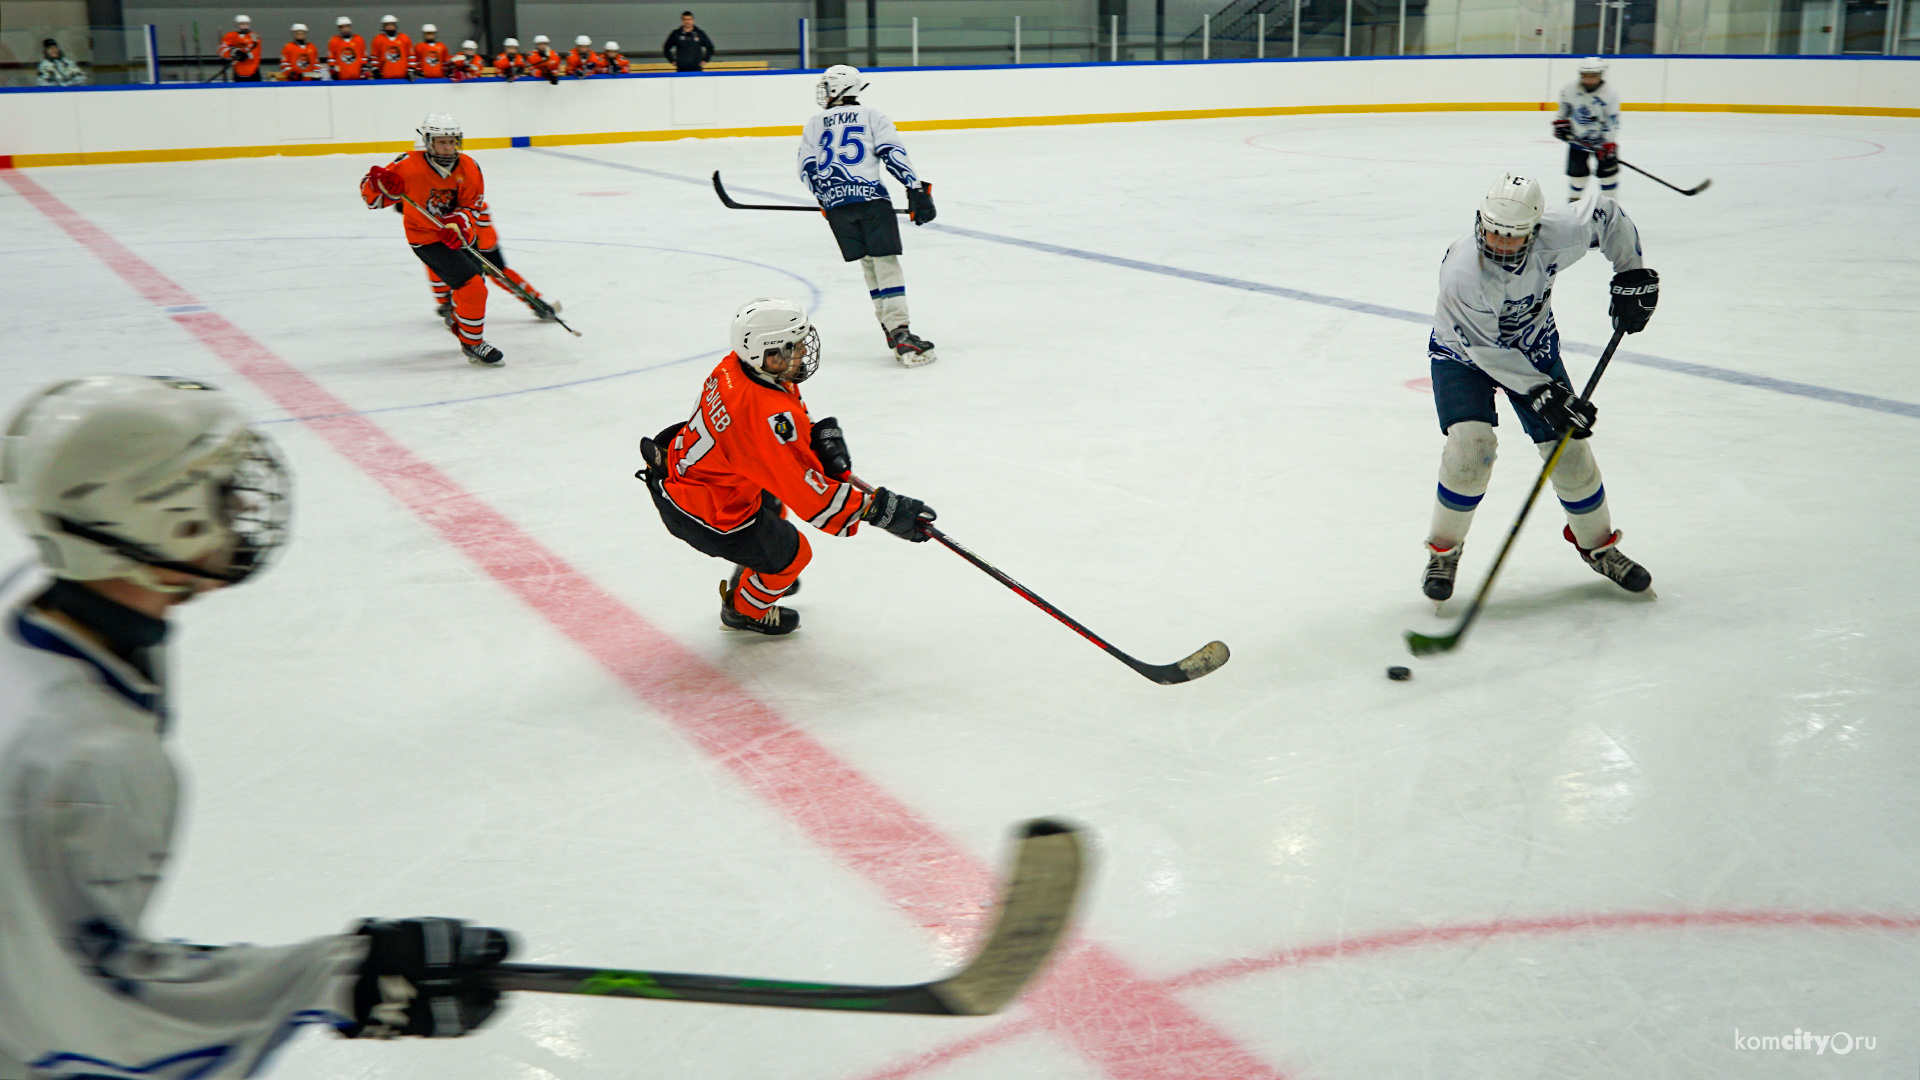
1500,319
88,797
842,150
1595,114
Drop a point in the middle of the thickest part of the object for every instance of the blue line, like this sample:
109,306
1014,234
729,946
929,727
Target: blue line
1679,367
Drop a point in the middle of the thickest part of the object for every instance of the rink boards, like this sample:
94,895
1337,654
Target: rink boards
116,125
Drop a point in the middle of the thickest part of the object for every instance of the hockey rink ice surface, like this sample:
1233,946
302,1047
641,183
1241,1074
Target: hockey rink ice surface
1181,393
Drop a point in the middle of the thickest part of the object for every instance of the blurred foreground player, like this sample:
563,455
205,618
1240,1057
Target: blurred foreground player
1494,330
140,494
1589,122
724,480
842,148
447,184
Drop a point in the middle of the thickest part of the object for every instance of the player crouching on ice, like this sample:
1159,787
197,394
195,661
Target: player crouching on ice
724,480
140,494
439,180
841,151
1494,330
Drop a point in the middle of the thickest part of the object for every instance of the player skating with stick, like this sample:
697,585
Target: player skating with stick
1493,330
140,494
1589,123
842,150
724,479
445,214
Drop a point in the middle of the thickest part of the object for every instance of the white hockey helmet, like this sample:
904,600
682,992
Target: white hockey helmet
117,476
539,39
469,45
510,43
768,324
611,46
1593,65
243,20
838,81
584,40
1511,209
386,19
300,26
429,28
343,21
440,125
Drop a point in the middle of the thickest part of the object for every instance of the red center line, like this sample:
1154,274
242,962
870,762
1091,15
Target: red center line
1415,937
1128,1024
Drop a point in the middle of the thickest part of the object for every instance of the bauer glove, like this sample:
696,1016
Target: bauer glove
425,977
1635,293
830,446
920,203
1554,403
901,515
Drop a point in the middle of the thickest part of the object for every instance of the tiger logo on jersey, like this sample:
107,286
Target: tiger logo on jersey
783,427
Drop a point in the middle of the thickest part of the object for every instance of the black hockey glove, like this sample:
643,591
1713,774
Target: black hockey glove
920,203
901,515
425,977
1563,129
830,446
1555,403
1635,292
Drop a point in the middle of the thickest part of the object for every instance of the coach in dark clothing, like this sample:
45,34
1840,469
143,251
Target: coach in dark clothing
688,47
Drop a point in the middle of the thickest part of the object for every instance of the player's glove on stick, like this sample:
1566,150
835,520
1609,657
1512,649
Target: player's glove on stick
830,446
1555,404
1563,130
1607,152
920,203
425,977
1635,292
456,229
386,180
902,515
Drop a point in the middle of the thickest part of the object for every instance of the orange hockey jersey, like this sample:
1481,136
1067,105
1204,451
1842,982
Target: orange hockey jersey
233,44
430,59
298,60
460,187
347,56
583,62
543,62
390,56
747,437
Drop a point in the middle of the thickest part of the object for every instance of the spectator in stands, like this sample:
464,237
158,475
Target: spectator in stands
240,48
612,62
56,69
512,63
391,54
429,56
582,61
688,48
298,58
543,61
347,51
467,63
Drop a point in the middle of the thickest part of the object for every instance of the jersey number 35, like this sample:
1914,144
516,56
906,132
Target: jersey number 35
853,149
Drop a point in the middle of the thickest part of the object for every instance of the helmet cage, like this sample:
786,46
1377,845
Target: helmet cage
1481,230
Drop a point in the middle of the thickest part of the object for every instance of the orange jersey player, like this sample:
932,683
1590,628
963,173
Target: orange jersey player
543,61
390,52
347,51
724,480
430,55
240,48
511,63
443,182
467,63
612,62
583,61
298,58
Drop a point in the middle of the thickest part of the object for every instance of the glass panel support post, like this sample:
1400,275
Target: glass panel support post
1260,43
1016,39
916,41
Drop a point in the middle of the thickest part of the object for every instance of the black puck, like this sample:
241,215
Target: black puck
1399,674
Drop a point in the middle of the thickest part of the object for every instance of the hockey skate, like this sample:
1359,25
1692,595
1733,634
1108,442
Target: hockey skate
911,351
777,621
483,354
1610,562
1442,566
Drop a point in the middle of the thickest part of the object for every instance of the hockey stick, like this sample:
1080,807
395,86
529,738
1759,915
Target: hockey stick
721,190
1426,645
539,306
1694,190
1033,914
1208,659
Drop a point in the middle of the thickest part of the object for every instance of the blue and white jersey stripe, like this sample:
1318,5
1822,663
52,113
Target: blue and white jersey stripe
842,153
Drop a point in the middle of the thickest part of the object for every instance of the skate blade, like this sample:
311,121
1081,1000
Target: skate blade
921,360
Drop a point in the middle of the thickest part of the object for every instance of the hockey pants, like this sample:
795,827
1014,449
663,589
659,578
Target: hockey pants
459,276
1466,465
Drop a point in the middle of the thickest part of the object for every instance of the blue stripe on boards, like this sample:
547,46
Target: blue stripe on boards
1678,367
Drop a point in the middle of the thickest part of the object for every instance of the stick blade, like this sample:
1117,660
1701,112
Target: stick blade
1427,645
1033,915
1210,658
721,190
1702,186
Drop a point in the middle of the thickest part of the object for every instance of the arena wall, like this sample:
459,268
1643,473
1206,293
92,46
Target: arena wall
174,123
